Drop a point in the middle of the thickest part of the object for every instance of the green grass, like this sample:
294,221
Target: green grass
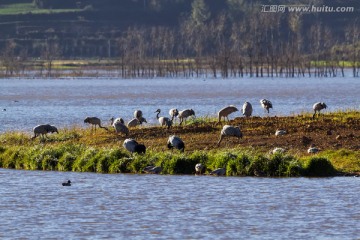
237,162
345,160
26,8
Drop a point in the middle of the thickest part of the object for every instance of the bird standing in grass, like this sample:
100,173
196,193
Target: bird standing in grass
230,131
247,109
94,121
133,146
136,122
266,104
133,123
278,150
119,126
173,113
138,114
43,130
164,121
185,114
280,132
225,112
313,150
318,107
176,142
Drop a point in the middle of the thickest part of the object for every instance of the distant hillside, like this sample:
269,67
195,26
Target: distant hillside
99,28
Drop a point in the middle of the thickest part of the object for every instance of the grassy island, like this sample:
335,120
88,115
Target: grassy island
336,134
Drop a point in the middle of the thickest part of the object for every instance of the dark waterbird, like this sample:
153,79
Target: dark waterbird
68,183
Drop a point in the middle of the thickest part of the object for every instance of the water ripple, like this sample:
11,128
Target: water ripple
34,205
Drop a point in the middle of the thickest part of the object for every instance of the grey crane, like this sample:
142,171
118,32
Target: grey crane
119,126
230,131
153,169
133,123
278,150
218,172
142,120
173,113
43,130
133,146
280,132
114,120
136,122
226,111
313,149
164,121
94,121
138,114
247,109
176,142
185,114
318,107
266,104
199,168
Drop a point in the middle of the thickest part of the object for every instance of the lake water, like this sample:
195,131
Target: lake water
66,102
34,205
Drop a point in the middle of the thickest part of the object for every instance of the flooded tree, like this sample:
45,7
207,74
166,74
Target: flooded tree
51,51
9,59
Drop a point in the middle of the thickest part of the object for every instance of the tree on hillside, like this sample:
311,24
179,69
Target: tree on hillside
9,59
200,12
353,41
51,51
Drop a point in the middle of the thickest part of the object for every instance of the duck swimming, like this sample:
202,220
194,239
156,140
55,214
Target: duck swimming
68,183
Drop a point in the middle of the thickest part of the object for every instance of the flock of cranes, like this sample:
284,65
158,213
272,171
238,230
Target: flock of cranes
176,142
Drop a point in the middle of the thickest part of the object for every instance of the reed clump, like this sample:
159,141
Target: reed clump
77,157
319,167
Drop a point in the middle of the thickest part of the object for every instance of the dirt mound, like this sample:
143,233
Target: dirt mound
327,132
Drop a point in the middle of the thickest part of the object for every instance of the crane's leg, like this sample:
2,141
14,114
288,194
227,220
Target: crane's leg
221,138
314,115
